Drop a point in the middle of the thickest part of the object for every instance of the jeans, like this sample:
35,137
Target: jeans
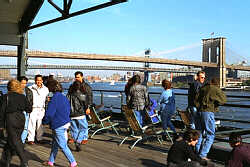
140,116
79,129
166,120
25,131
60,141
207,135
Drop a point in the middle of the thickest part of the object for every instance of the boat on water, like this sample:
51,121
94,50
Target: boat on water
2,82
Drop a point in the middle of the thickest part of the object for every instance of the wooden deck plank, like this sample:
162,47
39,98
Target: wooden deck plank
102,151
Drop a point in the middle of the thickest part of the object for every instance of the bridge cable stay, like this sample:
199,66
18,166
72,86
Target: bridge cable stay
182,48
191,52
232,54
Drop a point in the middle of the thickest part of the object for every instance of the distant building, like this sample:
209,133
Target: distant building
5,74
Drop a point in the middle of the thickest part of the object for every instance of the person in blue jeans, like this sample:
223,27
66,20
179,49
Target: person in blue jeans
138,99
207,101
79,123
192,92
167,106
57,116
29,95
81,97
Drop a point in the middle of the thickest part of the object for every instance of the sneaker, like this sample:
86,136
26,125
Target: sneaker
205,158
46,163
84,142
74,164
30,143
71,141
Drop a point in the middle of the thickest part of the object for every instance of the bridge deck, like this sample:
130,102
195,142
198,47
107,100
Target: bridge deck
101,151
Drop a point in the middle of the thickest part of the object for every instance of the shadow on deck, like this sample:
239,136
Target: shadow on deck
101,151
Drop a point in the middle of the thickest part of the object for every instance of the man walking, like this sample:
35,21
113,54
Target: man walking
29,95
192,92
79,125
207,102
40,93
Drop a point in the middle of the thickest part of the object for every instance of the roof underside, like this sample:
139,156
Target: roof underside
15,18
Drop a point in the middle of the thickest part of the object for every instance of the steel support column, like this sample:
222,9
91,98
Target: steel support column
146,65
21,57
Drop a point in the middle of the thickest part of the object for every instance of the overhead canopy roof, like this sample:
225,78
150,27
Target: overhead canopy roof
15,18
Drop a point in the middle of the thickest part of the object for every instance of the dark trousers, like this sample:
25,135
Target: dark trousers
14,143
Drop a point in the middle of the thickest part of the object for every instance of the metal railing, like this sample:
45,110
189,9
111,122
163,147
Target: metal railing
122,96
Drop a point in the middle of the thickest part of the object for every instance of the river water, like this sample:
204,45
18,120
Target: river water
114,99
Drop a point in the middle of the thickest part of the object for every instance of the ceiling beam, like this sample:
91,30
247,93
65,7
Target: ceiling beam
91,9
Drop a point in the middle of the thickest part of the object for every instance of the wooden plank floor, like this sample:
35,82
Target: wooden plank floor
102,151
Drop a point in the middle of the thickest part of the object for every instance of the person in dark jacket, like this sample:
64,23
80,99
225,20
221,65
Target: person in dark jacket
29,95
57,116
87,91
207,101
138,99
77,100
240,155
192,92
182,150
12,118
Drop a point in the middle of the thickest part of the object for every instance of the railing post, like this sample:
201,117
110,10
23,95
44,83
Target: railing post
121,98
102,100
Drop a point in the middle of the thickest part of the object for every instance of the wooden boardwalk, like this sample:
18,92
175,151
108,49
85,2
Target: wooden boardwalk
102,151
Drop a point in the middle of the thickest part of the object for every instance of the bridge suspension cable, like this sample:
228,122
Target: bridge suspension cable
233,56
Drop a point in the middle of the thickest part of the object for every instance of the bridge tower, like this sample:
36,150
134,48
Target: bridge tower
214,52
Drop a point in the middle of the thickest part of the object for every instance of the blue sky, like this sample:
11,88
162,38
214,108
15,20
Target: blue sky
129,28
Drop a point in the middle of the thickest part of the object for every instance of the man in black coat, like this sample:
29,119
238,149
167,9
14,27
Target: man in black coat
192,92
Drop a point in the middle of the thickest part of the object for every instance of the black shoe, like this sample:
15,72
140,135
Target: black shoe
78,147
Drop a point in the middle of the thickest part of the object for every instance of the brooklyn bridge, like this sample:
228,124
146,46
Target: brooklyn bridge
213,61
